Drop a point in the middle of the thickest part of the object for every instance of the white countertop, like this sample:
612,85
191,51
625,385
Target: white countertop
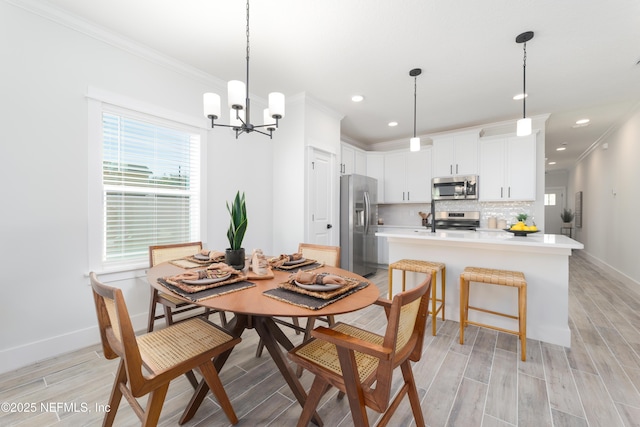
538,240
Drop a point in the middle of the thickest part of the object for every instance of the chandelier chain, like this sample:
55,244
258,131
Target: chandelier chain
247,30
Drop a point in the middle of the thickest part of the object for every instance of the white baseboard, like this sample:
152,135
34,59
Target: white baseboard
18,357
617,274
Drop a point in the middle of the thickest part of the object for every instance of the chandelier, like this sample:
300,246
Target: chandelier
523,126
240,105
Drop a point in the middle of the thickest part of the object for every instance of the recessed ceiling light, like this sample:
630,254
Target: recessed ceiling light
552,163
561,148
520,96
582,121
357,98
392,124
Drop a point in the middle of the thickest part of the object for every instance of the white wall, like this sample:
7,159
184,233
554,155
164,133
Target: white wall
47,307
608,179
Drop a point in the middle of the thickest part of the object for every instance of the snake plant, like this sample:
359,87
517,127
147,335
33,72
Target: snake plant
238,225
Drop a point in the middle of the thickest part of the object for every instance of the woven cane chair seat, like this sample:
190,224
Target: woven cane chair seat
164,348
169,297
325,354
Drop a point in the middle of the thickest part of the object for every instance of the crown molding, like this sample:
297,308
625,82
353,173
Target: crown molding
90,29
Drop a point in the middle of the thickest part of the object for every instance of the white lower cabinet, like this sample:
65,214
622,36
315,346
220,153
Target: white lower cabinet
507,169
383,249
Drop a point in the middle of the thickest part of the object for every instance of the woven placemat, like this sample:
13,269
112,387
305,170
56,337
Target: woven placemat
208,293
309,264
351,283
308,301
185,287
192,262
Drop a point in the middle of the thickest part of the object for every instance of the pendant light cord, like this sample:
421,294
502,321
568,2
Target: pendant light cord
415,103
524,82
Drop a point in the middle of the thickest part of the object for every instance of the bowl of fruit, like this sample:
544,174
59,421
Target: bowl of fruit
520,228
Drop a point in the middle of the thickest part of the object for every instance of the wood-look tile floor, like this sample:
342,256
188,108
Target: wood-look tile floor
481,383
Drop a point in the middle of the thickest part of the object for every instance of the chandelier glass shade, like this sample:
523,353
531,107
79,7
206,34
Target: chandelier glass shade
240,105
523,126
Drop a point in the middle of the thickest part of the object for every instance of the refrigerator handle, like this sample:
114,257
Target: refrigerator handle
367,209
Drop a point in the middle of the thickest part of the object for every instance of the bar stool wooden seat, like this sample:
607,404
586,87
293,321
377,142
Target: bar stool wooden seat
501,278
427,267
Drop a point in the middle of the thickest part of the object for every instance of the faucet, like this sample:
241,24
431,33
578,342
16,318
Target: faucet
433,216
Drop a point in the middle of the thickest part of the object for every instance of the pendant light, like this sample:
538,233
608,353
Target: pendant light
523,127
414,143
240,105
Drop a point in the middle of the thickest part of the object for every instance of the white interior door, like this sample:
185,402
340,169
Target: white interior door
555,202
321,199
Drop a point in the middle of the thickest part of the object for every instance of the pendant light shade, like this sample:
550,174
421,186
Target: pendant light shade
523,127
414,143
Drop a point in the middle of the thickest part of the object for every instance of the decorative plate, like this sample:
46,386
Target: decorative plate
314,287
202,257
294,262
522,233
207,281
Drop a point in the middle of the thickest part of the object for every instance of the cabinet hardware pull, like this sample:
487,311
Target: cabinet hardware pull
501,192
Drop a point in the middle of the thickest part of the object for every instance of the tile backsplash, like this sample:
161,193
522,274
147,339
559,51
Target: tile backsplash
407,214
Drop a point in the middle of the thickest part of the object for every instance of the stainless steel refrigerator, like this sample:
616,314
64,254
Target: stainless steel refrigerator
358,224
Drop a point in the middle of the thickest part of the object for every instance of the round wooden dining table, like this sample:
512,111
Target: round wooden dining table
254,310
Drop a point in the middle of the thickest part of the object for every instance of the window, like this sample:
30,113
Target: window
550,199
151,187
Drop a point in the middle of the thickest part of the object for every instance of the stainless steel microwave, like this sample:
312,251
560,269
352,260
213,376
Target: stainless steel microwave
461,187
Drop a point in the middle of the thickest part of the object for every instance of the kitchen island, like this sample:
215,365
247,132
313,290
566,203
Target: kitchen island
543,258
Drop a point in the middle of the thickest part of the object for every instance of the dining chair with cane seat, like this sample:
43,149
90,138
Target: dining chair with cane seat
148,363
172,305
360,363
327,255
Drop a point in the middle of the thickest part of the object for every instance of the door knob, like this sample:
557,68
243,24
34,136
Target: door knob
329,226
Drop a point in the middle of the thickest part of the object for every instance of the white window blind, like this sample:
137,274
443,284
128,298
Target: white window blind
151,187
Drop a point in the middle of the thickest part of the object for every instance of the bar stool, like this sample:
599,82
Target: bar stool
501,278
427,267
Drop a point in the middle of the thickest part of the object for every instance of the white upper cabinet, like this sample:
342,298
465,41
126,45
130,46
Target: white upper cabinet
352,160
407,177
455,154
375,169
508,169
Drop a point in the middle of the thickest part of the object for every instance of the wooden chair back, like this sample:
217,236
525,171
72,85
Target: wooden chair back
407,317
117,334
329,255
162,253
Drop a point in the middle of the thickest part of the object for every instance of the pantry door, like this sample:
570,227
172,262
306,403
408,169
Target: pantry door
322,207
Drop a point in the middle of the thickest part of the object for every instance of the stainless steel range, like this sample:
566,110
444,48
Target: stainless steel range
465,220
